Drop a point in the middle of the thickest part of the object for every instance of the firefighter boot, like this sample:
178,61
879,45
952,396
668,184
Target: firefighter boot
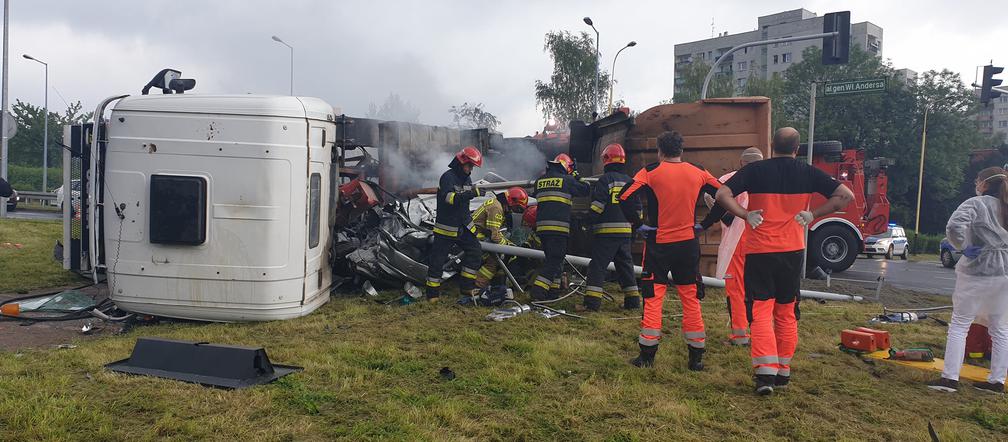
695,358
631,303
646,357
593,303
765,384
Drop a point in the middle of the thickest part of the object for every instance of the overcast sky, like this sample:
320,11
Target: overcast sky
432,53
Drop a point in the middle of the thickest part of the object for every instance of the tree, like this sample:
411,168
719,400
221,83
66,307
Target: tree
25,148
773,88
691,80
395,109
472,116
569,94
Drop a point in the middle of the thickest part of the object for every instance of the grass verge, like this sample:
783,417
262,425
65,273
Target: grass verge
32,265
371,372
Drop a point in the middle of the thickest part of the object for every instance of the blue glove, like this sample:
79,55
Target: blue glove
645,229
972,252
697,229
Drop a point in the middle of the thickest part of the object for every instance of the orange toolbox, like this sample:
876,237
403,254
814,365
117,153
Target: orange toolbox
858,340
881,337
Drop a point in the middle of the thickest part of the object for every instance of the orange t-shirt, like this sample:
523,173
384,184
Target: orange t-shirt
672,190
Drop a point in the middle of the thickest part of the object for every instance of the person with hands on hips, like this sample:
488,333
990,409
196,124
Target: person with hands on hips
779,191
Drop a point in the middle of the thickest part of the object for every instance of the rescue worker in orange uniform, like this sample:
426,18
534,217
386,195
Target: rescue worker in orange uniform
489,219
554,191
612,233
780,190
671,188
730,260
453,224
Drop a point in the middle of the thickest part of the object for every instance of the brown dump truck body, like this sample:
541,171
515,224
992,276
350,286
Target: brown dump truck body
715,132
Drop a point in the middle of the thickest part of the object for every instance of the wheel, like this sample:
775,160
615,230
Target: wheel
869,255
947,260
906,252
834,247
889,253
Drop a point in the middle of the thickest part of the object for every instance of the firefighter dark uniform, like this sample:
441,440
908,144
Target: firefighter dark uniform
780,187
453,225
554,192
612,233
671,246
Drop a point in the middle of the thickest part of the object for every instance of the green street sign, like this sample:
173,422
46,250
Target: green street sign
852,87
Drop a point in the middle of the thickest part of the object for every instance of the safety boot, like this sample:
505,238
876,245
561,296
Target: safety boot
765,384
593,303
631,303
695,358
646,357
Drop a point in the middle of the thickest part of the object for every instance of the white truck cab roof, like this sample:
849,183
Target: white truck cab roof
255,105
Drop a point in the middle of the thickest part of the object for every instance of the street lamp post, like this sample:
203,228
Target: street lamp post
45,125
612,74
588,21
278,40
920,176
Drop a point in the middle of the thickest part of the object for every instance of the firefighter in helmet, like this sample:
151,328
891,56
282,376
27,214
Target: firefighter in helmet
489,219
453,224
554,191
612,232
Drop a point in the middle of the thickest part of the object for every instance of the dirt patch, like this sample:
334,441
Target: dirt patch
18,335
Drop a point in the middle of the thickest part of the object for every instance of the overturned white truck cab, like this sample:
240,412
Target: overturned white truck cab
206,207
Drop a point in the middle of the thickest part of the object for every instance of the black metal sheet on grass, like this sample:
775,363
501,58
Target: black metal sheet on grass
223,366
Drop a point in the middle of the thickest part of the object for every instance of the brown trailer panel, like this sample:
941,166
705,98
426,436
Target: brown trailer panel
715,132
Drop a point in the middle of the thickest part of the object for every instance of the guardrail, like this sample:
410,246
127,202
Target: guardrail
42,197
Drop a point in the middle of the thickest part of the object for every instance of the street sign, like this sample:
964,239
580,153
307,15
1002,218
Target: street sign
852,87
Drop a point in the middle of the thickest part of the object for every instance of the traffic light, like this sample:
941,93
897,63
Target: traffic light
836,50
987,92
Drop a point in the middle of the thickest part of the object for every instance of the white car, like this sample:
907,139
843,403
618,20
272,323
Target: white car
891,243
75,188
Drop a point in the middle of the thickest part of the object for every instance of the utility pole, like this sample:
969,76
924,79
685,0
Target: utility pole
811,138
45,131
3,103
588,21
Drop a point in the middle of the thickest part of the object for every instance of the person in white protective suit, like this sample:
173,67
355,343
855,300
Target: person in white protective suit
729,263
977,228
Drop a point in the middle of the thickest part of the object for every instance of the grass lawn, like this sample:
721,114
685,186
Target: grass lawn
925,257
371,372
32,266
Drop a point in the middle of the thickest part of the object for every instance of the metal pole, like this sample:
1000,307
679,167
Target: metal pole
707,79
3,103
811,138
920,176
612,75
45,138
596,70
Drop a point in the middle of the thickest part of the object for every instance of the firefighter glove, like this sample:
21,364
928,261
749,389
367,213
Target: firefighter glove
804,218
708,200
754,218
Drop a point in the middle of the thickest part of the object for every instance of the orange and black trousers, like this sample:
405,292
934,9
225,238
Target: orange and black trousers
680,259
772,291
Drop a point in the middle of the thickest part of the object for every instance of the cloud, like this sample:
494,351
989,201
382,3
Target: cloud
433,54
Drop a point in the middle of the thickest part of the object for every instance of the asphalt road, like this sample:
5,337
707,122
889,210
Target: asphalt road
34,214
929,276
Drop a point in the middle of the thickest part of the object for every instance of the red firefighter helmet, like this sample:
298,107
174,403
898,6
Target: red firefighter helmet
517,197
529,217
566,161
470,155
613,153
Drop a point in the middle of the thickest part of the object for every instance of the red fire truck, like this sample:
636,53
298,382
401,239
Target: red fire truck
836,240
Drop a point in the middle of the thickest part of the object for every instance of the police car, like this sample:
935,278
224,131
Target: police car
891,243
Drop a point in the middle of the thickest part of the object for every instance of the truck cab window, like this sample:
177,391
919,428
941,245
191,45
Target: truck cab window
178,209
314,206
